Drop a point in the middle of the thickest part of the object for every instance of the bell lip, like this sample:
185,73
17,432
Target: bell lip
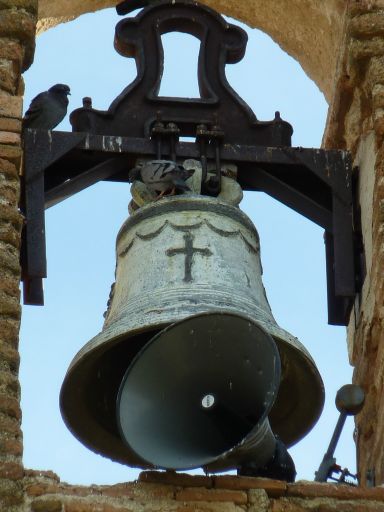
284,345
216,464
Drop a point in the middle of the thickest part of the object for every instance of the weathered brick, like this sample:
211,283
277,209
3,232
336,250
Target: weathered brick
9,263
46,505
82,506
9,286
11,215
11,494
40,488
113,508
348,506
9,306
202,494
367,25
8,124
38,473
12,153
9,75
8,353
341,492
258,500
28,5
139,490
284,505
11,49
21,25
8,170
208,506
9,329
9,194
272,487
11,470
11,236
37,489
11,106
366,48
11,447
173,478
10,406
9,138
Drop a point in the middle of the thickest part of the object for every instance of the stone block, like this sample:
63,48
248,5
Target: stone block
11,470
11,447
10,406
7,353
9,329
285,505
39,489
203,506
367,25
342,491
8,170
8,124
40,474
11,495
11,49
11,215
9,192
46,505
258,500
139,491
11,106
273,488
9,425
173,478
202,494
10,138
9,383
12,153
366,49
28,5
9,262
9,75
19,24
82,506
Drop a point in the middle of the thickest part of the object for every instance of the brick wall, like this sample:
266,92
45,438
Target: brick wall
17,34
175,492
356,122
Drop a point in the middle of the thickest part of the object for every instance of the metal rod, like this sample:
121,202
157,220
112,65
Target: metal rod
325,468
336,434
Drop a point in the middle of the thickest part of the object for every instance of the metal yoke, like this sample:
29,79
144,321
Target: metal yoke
104,145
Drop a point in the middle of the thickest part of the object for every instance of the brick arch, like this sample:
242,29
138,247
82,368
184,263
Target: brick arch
309,31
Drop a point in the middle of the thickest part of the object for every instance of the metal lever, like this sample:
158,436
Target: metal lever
349,401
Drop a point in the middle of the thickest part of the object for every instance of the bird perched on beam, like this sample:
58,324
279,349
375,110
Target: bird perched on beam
162,176
130,5
48,108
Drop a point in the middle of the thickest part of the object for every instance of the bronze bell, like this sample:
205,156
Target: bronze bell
190,369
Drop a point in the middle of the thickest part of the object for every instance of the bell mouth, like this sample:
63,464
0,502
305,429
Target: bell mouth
197,390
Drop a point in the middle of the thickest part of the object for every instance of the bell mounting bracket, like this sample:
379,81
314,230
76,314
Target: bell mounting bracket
104,145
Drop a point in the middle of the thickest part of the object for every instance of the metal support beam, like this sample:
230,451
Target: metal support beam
313,182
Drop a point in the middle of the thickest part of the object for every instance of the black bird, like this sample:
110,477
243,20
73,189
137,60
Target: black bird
48,108
130,5
163,176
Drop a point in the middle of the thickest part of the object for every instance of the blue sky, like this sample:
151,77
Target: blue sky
81,235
